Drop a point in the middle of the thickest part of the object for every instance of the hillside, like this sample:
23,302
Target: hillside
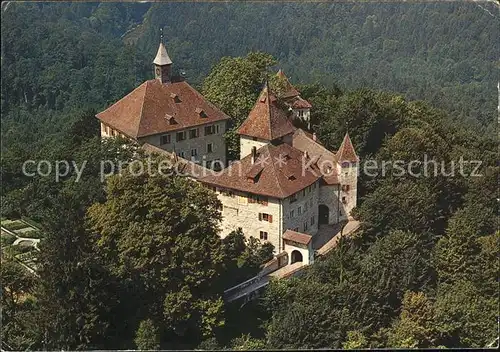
444,53
136,261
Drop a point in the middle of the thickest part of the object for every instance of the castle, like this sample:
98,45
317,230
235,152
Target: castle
285,186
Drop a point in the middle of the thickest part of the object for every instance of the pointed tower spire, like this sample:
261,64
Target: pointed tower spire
346,151
162,62
289,90
266,121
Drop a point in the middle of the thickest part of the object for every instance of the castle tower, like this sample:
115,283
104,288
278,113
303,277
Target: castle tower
347,168
301,108
163,64
266,123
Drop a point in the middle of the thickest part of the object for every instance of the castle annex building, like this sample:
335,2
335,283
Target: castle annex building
286,186
170,115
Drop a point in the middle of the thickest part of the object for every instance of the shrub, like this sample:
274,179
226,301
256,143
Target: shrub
16,225
7,239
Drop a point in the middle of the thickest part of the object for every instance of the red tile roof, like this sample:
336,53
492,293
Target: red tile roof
325,160
298,237
182,166
299,103
346,151
273,178
266,120
154,108
290,90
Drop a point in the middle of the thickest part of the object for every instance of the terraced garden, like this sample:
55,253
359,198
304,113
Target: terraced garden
19,240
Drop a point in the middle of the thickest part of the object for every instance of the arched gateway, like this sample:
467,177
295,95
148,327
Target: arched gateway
296,257
323,212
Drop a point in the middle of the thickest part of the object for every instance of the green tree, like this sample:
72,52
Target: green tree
153,236
147,336
233,85
464,316
76,294
415,327
18,313
456,254
355,340
247,343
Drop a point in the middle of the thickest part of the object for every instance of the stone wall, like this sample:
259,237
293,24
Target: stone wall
237,212
348,195
246,144
307,201
200,143
328,195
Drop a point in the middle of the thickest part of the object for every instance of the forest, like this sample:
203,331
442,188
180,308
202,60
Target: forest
404,79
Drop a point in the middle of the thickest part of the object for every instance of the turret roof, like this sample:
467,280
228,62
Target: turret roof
346,151
266,120
162,57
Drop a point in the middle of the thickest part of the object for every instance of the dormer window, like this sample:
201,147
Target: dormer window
170,119
201,112
263,99
175,97
291,177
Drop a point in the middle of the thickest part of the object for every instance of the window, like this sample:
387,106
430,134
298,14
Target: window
312,220
293,198
305,226
263,235
217,165
210,147
216,128
253,198
301,113
194,152
345,188
299,211
292,214
296,229
181,154
242,200
165,139
306,206
180,136
193,133
227,193
209,130
344,200
265,217
304,192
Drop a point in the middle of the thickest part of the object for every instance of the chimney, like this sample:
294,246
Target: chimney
254,154
314,136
